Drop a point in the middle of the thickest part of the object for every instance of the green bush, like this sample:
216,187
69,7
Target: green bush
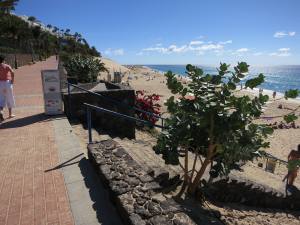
84,68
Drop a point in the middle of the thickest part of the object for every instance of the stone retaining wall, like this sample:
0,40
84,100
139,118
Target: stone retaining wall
239,190
114,125
134,192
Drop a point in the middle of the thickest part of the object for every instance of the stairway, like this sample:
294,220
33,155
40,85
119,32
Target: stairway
141,150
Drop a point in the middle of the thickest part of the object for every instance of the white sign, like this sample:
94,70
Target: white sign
51,89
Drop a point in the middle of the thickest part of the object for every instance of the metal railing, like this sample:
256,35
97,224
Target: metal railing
111,100
269,156
90,107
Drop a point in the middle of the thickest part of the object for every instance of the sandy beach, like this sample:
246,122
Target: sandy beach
281,142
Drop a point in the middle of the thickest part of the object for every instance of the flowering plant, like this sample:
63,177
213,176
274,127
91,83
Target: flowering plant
148,103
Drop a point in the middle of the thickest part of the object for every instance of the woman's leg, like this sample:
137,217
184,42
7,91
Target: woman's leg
292,176
10,99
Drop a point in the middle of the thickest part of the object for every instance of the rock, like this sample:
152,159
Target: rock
159,220
105,169
182,219
151,186
145,178
119,152
109,144
132,181
158,198
169,206
142,212
153,208
140,201
136,219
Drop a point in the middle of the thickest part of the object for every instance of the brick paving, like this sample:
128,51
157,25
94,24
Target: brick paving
30,192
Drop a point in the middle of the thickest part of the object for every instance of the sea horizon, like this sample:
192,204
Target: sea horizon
277,78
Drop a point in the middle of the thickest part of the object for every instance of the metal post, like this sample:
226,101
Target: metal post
69,101
89,122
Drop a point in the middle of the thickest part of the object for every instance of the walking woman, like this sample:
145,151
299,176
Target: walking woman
6,88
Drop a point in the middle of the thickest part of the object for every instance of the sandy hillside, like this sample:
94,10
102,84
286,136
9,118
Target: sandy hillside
112,67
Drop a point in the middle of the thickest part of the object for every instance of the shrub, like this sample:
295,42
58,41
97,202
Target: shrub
84,68
212,122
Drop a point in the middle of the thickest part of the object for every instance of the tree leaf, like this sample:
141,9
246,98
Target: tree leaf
252,83
292,93
290,118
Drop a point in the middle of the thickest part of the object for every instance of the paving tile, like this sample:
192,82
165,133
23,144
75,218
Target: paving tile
28,194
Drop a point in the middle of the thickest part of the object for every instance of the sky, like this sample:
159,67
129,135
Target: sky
207,32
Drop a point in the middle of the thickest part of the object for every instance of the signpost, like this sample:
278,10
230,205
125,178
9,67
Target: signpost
52,94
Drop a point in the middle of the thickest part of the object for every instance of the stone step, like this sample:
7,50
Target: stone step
140,150
143,154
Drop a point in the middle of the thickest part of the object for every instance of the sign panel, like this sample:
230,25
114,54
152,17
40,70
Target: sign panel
52,95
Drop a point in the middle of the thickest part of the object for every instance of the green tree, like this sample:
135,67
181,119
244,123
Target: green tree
212,122
32,19
19,36
8,5
84,68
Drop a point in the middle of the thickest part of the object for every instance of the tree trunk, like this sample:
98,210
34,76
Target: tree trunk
196,182
186,174
207,161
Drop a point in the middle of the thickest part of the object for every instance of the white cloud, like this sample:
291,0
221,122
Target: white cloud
168,50
284,49
196,42
197,46
116,52
206,47
292,33
241,50
211,47
174,48
281,34
281,52
225,42
155,49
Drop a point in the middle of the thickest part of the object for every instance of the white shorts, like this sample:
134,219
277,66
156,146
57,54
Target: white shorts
6,94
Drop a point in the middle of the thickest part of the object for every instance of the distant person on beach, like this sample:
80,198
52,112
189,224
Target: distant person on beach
293,166
274,95
6,88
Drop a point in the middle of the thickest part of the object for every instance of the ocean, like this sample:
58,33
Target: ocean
277,78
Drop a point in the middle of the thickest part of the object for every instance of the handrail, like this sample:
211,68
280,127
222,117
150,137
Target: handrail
270,156
97,108
112,100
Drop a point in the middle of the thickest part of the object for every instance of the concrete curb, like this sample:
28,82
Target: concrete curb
88,198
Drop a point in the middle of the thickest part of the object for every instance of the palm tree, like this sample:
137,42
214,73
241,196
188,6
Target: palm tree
8,5
32,19
55,29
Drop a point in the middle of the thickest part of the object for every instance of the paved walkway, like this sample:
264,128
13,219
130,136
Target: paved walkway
30,192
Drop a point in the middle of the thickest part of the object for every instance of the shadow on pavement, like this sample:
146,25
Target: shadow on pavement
25,121
106,212
64,164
